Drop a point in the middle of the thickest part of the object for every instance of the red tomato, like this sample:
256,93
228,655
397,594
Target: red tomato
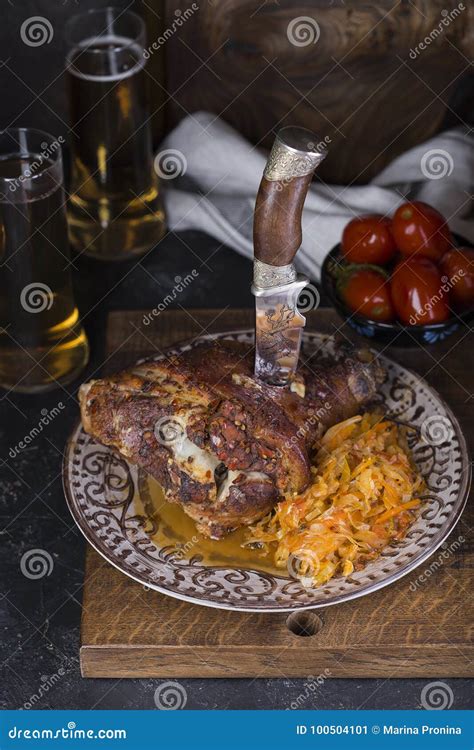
367,239
417,294
367,292
458,266
419,229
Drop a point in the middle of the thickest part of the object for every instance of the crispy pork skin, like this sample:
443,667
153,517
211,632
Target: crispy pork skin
221,443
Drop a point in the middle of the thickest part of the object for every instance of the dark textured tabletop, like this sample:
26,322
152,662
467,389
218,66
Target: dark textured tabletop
39,618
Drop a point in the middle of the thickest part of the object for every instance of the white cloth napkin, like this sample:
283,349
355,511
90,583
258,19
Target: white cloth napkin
221,173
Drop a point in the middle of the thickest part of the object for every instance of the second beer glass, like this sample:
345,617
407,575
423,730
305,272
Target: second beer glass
42,342
115,209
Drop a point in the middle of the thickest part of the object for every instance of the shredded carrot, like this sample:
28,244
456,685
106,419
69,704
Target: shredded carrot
396,510
363,496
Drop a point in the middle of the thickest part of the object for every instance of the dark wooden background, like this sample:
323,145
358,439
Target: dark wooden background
357,85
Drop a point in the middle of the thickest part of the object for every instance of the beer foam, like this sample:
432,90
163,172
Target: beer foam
96,46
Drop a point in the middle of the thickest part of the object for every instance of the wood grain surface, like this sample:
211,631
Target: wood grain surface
277,232
413,628
353,73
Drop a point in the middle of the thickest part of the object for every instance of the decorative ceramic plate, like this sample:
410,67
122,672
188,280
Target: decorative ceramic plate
110,502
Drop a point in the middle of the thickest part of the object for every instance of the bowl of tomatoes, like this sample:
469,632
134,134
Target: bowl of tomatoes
403,280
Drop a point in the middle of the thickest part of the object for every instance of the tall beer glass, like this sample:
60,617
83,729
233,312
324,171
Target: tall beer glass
42,343
115,209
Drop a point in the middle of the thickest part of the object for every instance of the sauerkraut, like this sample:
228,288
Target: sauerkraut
363,496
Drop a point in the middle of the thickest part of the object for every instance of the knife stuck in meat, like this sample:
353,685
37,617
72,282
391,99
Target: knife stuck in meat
277,237
238,442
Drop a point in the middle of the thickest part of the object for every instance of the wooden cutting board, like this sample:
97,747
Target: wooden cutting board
409,629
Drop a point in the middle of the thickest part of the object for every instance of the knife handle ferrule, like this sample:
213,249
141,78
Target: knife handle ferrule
266,276
290,289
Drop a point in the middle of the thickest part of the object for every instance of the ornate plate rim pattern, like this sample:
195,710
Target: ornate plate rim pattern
100,485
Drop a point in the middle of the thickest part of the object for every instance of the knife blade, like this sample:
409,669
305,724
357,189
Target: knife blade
277,236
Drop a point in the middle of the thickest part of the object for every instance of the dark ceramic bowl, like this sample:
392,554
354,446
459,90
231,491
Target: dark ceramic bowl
389,333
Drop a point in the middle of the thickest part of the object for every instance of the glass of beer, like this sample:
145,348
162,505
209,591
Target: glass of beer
115,207
42,342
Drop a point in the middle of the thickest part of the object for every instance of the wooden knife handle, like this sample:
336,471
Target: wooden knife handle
279,207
